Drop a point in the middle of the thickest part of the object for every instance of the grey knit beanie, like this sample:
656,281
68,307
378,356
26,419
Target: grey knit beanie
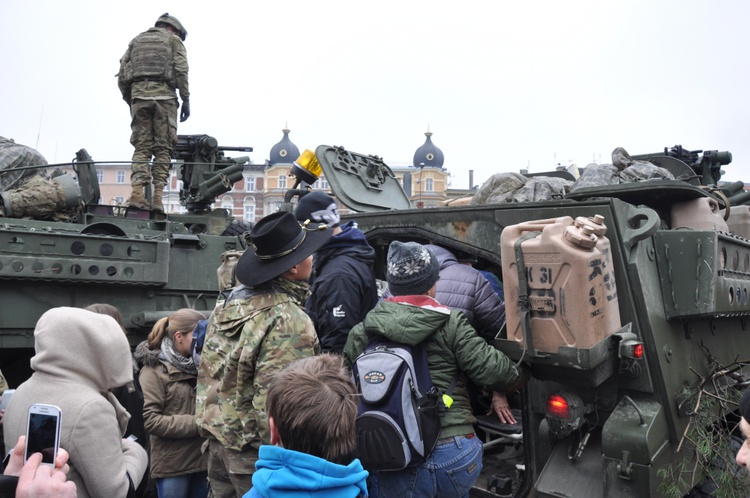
745,405
412,268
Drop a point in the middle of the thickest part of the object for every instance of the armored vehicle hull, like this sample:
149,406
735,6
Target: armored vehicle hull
626,404
146,264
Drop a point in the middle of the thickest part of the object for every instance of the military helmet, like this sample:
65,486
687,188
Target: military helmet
172,21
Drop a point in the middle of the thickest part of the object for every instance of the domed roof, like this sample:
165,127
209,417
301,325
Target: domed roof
428,154
284,152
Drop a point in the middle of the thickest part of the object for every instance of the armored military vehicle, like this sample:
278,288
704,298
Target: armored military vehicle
144,263
630,304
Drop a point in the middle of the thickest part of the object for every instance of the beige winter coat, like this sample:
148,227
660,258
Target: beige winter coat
80,356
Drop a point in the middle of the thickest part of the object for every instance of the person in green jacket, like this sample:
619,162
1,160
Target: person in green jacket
454,351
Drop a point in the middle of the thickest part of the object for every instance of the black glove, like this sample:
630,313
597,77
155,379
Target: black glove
185,111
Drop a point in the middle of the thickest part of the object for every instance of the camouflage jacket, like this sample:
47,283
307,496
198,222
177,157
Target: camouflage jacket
156,90
250,336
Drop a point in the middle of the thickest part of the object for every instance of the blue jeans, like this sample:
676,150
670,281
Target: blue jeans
449,472
193,485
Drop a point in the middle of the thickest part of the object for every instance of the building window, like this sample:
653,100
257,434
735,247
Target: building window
100,177
249,184
120,176
228,204
321,183
428,185
249,214
272,207
282,181
119,200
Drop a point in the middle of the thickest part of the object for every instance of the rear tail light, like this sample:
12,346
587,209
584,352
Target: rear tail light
557,406
565,413
630,347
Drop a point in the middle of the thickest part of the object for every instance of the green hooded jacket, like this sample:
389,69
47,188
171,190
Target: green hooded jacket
454,351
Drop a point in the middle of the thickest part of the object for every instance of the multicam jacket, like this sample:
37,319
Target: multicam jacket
250,337
155,88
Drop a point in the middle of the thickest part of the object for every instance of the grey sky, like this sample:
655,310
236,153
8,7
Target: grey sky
502,85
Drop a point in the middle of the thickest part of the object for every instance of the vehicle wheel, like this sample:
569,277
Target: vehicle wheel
237,228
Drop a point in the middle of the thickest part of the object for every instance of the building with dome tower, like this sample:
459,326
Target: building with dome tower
263,186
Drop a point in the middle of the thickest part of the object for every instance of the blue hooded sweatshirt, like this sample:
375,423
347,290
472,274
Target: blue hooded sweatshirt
280,472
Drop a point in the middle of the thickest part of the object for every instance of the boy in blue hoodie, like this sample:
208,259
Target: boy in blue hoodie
311,407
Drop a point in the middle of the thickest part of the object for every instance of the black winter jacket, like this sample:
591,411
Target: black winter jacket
343,286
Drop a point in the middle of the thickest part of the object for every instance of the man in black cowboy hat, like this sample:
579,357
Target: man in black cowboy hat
255,333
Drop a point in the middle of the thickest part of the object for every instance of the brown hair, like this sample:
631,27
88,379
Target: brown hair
109,310
182,320
313,403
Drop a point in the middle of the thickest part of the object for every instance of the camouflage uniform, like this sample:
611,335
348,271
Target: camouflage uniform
252,335
153,101
13,155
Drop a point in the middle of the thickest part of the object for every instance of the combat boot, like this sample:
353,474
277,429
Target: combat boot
156,200
138,199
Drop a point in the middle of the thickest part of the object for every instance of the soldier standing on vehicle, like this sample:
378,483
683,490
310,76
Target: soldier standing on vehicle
152,69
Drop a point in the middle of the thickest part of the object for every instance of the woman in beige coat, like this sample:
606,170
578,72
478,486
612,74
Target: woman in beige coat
168,377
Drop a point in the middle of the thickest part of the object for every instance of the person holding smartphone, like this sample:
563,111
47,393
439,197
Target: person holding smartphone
80,356
27,480
168,376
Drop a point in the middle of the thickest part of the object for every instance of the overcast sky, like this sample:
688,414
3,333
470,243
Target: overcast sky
502,85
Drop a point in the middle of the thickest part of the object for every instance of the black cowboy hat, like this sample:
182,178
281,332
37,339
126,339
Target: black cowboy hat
278,242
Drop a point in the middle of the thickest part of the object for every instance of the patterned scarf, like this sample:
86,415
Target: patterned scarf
180,362
299,290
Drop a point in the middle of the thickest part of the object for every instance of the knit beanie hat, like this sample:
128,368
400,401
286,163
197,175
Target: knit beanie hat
412,268
318,208
745,406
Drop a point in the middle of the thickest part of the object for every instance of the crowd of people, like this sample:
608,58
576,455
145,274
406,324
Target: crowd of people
270,410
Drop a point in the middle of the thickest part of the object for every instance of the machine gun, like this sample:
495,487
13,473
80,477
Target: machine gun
703,169
205,172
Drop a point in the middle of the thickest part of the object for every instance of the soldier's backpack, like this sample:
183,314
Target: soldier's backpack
398,419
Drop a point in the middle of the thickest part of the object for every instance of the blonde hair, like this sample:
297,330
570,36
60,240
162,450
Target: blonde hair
313,402
182,320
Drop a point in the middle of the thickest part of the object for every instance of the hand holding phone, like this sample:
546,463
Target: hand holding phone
43,432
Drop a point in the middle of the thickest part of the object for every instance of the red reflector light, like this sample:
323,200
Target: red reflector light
557,406
638,351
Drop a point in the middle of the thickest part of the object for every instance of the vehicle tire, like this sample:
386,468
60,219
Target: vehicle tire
237,228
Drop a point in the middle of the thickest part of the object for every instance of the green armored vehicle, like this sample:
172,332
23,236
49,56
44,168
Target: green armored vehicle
146,264
629,302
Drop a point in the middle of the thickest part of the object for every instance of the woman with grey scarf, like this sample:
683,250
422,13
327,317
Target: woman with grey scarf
168,377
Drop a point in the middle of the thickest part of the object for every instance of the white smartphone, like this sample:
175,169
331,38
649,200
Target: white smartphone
43,432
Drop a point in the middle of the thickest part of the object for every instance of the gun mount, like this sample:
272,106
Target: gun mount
702,169
205,172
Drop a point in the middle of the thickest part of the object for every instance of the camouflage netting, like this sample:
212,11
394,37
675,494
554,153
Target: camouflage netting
13,155
514,187
622,170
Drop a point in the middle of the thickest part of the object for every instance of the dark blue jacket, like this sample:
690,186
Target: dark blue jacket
464,288
343,286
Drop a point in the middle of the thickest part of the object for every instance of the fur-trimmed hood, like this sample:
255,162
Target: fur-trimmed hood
144,356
